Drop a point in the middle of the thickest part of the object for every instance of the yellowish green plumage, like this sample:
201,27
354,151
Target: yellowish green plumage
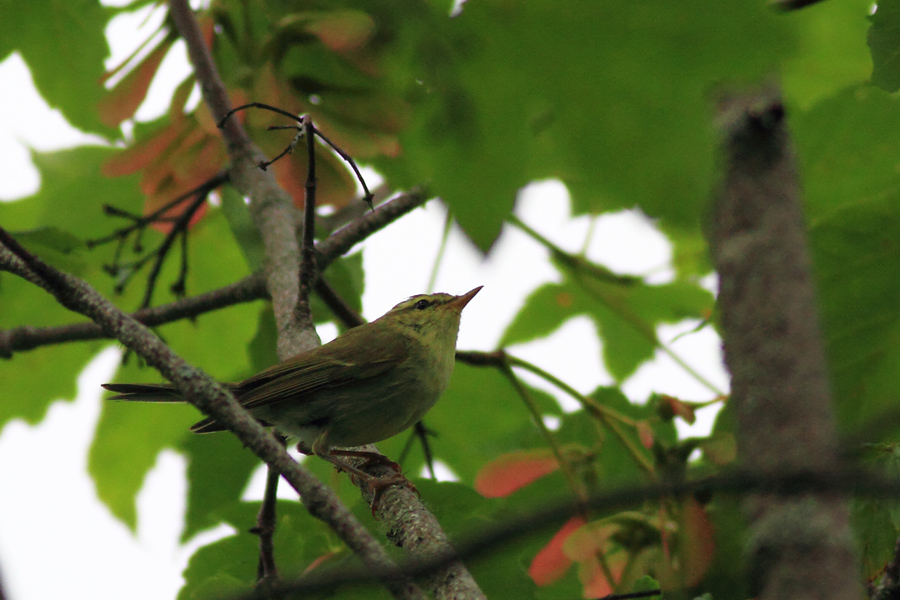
365,386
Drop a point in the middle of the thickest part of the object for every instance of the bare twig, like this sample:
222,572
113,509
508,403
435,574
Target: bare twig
310,132
140,222
308,273
248,289
267,571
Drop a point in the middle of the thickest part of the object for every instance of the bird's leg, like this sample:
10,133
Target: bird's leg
372,458
320,448
376,484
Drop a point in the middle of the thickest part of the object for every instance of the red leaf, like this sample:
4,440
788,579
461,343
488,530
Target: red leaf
510,472
550,563
145,152
696,541
645,433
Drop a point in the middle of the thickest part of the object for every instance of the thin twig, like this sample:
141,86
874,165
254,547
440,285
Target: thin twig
266,520
180,227
308,273
367,196
565,465
140,222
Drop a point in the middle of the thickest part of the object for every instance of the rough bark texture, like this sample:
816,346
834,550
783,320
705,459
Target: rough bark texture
801,546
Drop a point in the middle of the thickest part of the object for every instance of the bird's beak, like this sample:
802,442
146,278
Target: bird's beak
460,302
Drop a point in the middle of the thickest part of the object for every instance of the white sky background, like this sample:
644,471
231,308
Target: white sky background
57,540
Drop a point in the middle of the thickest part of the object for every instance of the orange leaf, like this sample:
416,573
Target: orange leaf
342,30
145,152
550,563
510,472
123,100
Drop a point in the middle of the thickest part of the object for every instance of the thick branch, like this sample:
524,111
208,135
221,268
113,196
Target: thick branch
802,547
271,207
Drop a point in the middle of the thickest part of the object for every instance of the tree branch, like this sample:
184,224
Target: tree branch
213,399
802,547
248,289
271,207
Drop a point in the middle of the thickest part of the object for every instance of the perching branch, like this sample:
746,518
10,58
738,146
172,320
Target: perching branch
211,398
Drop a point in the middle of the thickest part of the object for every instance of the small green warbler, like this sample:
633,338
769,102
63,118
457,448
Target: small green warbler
363,387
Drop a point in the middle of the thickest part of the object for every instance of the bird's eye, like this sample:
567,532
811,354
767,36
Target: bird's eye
422,304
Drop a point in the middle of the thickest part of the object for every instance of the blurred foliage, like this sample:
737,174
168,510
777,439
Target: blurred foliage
615,100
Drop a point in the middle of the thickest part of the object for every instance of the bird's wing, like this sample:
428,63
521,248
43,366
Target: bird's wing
327,366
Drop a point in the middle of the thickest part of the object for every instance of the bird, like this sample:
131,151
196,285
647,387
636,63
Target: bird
365,386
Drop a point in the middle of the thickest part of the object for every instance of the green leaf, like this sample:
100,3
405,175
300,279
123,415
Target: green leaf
37,377
507,93
645,584
347,278
875,520
219,468
831,52
56,247
64,45
261,349
625,313
545,310
228,567
884,42
857,257
129,437
844,159
242,227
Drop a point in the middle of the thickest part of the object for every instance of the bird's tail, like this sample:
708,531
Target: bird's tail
144,392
